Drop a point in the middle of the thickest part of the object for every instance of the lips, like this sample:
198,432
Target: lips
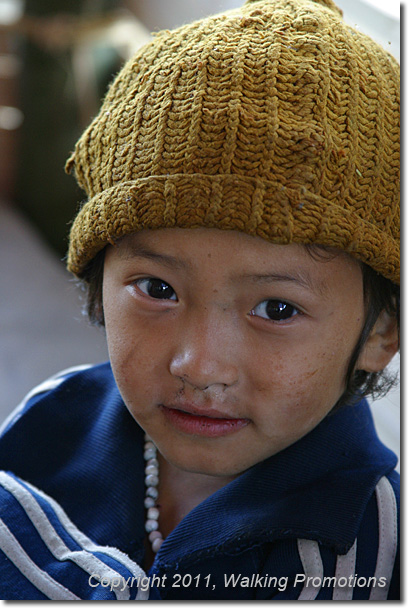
210,423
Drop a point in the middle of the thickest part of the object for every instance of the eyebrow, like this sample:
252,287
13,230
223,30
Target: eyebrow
136,250
300,279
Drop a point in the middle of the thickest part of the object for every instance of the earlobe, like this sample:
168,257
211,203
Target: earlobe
381,345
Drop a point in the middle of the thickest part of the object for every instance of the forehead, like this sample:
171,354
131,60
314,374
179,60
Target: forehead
189,245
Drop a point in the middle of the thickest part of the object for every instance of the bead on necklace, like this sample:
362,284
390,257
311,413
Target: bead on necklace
151,494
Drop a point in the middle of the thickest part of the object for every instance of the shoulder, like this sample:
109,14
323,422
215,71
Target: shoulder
368,570
63,389
43,555
373,561
62,424
378,541
73,439
56,440
346,501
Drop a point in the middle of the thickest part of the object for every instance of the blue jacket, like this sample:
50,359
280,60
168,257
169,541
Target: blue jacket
319,520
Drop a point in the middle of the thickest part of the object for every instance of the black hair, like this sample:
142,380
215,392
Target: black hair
380,294
92,283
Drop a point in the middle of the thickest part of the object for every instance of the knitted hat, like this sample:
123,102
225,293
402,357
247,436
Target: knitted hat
276,119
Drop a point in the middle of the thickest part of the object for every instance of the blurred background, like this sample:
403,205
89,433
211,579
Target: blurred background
56,60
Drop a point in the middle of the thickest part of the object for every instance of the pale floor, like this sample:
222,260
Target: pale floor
42,326
42,329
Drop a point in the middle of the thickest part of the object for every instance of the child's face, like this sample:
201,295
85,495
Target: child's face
226,348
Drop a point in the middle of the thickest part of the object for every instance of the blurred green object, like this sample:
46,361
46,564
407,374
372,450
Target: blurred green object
51,105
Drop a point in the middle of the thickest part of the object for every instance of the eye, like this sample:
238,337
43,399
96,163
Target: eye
275,310
156,288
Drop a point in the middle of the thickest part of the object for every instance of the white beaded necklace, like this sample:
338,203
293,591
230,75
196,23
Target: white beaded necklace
151,494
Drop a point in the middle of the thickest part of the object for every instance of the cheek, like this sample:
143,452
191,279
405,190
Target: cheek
132,360
126,359
137,358
300,390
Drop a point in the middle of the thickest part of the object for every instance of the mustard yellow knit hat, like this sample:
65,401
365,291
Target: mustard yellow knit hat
276,119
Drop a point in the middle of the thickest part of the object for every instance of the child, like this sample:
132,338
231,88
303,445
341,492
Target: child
240,244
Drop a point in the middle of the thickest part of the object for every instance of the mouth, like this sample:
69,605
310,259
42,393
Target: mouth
203,422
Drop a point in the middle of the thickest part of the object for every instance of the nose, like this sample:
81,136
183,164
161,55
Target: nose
206,355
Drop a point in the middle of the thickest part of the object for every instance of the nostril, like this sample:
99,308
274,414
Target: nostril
186,381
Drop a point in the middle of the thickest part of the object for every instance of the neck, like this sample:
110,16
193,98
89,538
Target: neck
181,491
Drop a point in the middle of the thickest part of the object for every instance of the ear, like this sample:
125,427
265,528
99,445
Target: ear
381,345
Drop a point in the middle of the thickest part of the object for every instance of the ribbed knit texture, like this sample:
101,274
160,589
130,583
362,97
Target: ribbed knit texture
276,119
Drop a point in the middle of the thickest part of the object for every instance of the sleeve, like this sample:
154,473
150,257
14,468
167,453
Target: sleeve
43,556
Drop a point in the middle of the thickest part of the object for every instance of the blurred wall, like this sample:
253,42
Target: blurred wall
378,18
160,14
67,52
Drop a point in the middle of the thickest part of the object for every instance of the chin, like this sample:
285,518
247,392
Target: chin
204,465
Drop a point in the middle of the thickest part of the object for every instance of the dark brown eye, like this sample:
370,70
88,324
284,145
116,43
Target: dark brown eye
275,310
156,288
